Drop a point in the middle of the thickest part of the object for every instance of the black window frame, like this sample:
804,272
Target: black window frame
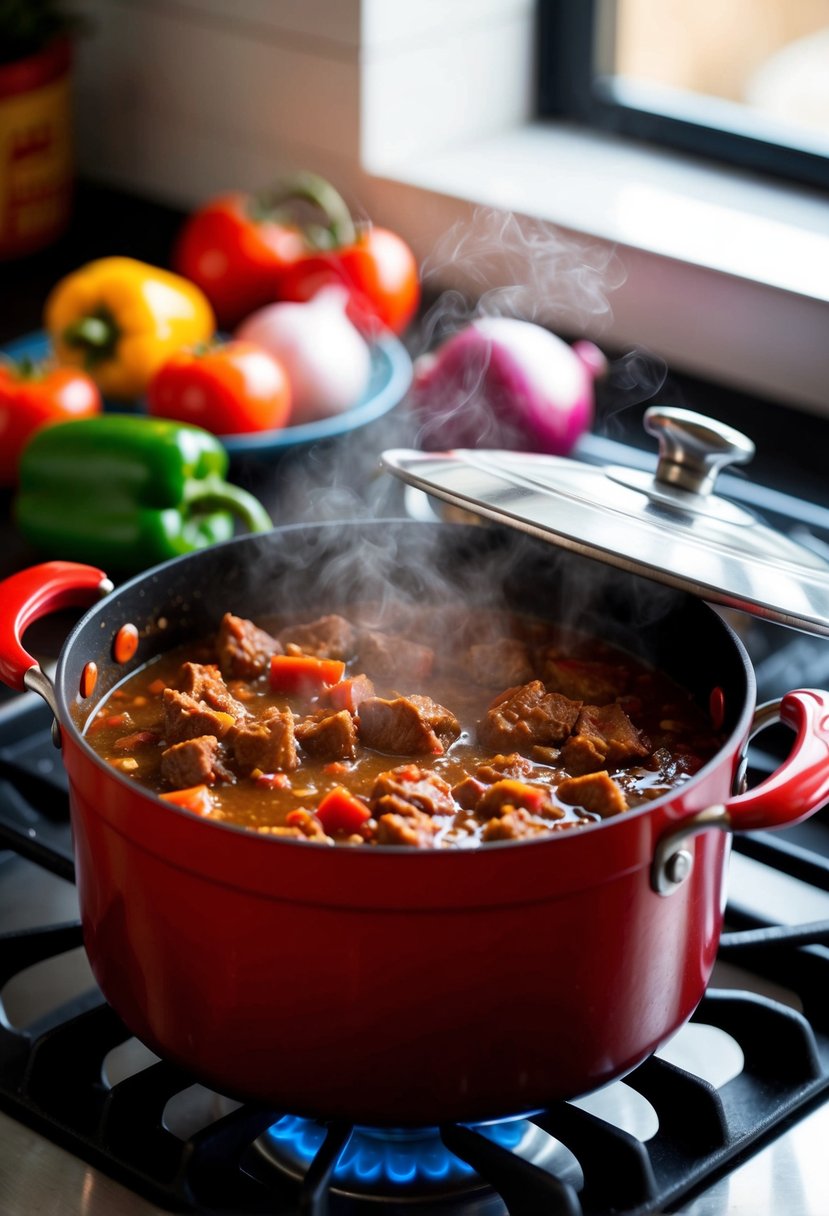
572,87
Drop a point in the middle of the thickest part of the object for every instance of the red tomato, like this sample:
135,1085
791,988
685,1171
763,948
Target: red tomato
234,249
379,270
32,396
230,389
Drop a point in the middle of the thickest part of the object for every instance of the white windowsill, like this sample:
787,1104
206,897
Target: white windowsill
721,273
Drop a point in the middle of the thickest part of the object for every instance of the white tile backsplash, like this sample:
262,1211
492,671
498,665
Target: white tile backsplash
358,83
394,23
467,82
157,84
329,21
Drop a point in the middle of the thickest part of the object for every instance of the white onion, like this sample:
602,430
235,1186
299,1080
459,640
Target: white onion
327,360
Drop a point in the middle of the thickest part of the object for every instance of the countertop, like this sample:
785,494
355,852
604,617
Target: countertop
340,478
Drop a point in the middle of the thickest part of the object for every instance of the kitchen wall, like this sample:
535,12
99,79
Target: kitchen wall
421,114
181,98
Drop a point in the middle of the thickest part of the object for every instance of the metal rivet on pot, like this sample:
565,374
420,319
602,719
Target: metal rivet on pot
125,644
678,867
89,678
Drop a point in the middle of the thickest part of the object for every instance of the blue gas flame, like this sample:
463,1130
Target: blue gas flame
394,1157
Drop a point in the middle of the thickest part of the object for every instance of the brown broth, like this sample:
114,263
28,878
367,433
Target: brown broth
129,731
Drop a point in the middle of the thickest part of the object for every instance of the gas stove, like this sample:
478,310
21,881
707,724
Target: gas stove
730,1116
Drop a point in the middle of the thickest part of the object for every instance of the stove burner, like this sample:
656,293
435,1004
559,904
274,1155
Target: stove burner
393,1164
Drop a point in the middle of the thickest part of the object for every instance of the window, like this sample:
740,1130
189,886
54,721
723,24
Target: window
744,81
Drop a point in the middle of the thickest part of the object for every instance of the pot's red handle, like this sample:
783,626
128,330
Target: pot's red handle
801,785
32,593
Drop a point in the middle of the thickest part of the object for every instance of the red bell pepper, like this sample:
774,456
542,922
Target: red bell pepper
342,812
235,246
245,251
232,248
377,267
304,674
33,395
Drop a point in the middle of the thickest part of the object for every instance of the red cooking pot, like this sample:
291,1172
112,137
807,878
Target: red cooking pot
393,986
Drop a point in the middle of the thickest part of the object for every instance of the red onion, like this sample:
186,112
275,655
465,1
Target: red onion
505,383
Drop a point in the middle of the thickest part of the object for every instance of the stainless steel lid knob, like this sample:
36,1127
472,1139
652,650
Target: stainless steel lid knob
693,449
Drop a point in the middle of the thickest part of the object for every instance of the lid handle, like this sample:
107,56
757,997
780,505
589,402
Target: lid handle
693,449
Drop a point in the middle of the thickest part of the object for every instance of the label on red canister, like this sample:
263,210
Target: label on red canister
35,150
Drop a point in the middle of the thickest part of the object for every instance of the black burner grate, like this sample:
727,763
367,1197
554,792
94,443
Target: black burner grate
51,1073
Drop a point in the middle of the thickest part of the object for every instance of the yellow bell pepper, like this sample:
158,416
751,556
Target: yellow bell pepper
120,319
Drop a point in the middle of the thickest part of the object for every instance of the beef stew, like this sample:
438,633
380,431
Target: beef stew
426,728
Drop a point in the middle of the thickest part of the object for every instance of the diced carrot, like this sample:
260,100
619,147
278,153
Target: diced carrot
303,673
196,799
341,811
157,687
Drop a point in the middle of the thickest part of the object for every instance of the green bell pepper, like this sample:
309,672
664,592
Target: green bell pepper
124,491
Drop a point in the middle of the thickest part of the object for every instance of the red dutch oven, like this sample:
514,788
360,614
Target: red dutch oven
391,986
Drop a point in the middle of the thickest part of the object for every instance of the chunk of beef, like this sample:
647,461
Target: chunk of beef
407,788
604,737
328,734
203,682
585,680
527,717
513,765
516,823
596,792
581,755
389,657
408,827
502,664
329,637
508,794
244,649
406,726
468,793
266,743
187,718
194,762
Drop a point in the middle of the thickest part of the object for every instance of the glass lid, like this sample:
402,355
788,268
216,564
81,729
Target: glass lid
668,526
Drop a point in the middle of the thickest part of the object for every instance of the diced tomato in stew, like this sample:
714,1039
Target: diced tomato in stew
341,812
195,799
304,674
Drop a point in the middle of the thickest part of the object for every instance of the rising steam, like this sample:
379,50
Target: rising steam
513,266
